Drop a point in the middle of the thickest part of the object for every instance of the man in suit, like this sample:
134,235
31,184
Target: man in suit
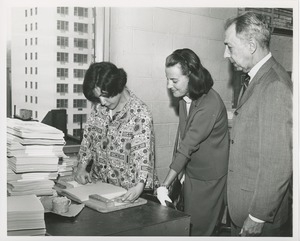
260,159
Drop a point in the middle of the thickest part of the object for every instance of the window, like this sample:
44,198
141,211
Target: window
62,25
30,41
36,99
30,70
77,133
36,41
36,55
25,70
36,11
79,73
36,26
62,41
36,85
62,88
26,84
77,118
26,98
25,56
77,88
30,99
30,11
36,114
62,57
36,70
26,27
62,103
25,13
31,27
63,10
81,43
81,27
79,103
30,84
81,12
30,55
26,42
80,58
62,72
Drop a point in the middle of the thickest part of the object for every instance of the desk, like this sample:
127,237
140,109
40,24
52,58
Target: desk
151,219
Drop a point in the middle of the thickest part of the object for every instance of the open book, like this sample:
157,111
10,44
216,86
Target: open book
102,197
81,193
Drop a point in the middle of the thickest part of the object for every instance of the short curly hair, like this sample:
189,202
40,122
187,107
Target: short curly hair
105,75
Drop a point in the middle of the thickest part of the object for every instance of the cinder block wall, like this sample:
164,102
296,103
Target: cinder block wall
142,38
140,41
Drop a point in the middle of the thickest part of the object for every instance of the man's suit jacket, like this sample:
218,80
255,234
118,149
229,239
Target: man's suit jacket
260,159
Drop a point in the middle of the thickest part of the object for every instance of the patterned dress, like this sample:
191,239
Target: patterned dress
121,147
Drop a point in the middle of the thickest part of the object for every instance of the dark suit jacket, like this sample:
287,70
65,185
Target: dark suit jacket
204,146
260,160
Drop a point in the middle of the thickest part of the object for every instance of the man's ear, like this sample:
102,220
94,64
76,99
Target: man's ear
252,45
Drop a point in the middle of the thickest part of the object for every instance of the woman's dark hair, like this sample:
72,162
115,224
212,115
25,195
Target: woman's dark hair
200,80
105,75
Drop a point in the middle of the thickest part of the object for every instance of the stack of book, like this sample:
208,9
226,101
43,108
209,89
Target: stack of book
33,153
66,166
25,216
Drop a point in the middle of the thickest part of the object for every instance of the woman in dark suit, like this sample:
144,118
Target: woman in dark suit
202,150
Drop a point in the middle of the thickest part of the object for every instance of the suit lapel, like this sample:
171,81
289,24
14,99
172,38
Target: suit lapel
256,80
193,109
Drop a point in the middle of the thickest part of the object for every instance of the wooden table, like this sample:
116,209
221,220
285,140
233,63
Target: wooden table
151,219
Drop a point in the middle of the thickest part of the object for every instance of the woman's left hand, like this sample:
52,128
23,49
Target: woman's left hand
133,193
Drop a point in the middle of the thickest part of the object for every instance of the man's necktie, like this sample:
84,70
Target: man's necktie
245,84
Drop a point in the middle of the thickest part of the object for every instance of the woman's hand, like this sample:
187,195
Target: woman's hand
133,193
82,176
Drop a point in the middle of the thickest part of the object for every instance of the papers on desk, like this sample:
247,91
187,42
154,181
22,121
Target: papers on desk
33,130
33,153
37,187
12,176
19,150
33,164
82,192
66,165
25,216
102,197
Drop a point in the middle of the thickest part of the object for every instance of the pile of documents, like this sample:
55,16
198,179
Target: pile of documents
33,153
66,165
25,216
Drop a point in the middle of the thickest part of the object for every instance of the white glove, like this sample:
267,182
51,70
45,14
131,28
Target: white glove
162,195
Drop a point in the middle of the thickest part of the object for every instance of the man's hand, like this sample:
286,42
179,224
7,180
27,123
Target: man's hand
251,228
133,193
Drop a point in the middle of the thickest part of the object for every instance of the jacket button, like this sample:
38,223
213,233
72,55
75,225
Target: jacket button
232,141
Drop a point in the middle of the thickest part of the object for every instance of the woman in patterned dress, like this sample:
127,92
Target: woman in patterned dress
118,136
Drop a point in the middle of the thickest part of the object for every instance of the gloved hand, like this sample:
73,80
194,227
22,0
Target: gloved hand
162,195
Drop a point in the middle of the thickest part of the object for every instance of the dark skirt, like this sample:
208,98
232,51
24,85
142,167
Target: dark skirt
204,201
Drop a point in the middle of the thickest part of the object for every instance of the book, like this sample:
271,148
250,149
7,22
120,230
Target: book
81,193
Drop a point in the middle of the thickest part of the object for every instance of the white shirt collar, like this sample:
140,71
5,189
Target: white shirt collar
256,67
187,99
